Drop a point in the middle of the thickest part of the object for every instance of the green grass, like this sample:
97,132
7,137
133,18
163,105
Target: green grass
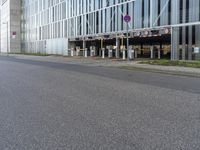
191,64
31,54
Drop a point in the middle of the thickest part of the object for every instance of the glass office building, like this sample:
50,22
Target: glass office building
158,28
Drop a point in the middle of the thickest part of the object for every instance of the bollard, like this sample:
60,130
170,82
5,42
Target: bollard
72,52
86,52
131,54
124,54
103,53
92,51
110,53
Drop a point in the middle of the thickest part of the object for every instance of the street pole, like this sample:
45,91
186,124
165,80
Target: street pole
127,19
127,44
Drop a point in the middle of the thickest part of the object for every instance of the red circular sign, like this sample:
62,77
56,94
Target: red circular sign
127,18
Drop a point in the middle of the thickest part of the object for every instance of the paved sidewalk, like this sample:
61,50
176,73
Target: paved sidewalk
96,61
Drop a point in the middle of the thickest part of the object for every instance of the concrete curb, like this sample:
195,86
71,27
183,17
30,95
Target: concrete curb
167,72
132,65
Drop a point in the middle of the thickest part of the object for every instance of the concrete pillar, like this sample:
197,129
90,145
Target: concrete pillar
190,43
86,52
197,42
117,48
175,44
103,53
183,42
159,54
84,48
197,28
175,31
184,31
152,51
159,51
15,25
84,44
193,17
124,54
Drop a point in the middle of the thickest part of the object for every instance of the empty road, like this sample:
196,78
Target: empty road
56,106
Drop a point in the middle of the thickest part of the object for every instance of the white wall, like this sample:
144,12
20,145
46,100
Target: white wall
11,14
5,18
57,46
15,25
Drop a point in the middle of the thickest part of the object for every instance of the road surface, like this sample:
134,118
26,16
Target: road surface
56,106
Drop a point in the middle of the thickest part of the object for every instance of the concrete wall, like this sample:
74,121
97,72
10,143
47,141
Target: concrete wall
11,22
5,26
57,46
15,25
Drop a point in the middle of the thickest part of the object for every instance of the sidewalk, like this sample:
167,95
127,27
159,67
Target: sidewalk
96,61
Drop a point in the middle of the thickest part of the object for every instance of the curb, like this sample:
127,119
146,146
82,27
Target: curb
167,72
130,67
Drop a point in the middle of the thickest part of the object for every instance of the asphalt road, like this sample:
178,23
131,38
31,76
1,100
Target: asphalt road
54,106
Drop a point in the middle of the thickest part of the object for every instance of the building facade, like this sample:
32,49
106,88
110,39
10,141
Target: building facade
158,28
10,26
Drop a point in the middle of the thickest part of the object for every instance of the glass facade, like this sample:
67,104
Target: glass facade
48,25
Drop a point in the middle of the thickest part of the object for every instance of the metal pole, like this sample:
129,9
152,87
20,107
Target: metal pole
127,44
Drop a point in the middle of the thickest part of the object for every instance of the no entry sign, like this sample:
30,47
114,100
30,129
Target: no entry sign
14,34
127,18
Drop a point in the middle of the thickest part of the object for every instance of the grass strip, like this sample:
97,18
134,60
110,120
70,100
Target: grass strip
190,64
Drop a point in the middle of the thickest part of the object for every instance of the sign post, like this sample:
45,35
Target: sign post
127,19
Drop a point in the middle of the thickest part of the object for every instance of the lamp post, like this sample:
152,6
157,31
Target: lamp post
7,33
